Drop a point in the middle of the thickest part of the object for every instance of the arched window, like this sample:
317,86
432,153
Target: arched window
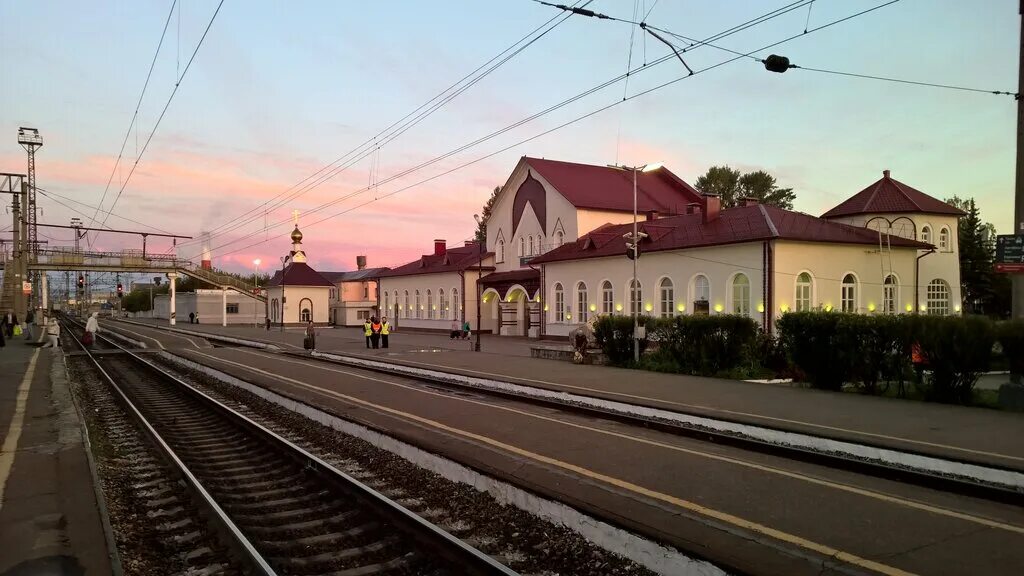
889,287
848,295
530,253
944,239
804,287
701,295
456,304
274,309
305,310
405,305
522,246
442,305
668,299
938,297
559,238
741,294
431,309
582,303
636,297
926,234
501,250
607,298
387,302
419,307
559,303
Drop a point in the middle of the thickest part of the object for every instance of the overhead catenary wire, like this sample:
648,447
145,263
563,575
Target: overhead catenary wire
156,126
546,132
905,81
135,115
397,128
58,197
730,31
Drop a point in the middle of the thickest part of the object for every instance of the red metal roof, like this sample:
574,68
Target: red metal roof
453,260
734,225
604,188
889,195
299,274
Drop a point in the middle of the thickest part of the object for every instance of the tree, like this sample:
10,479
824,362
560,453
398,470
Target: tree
730,185
485,214
984,290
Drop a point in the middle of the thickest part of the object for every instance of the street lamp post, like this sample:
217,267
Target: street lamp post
479,276
635,240
256,281
284,260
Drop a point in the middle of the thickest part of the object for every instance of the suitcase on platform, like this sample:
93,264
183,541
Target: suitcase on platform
307,343
87,339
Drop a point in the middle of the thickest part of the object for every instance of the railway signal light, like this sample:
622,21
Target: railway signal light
120,290
81,281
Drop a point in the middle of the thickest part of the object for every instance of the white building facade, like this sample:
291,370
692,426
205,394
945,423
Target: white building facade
298,294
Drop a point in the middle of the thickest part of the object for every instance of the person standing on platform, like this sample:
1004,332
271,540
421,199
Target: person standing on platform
191,318
367,331
310,341
197,317
52,335
454,332
30,319
465,330
385,331
268,323
375,328
8,323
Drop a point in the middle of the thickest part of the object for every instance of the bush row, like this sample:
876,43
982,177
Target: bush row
826,349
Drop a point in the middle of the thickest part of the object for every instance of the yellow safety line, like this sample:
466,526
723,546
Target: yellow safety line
10,446
511,379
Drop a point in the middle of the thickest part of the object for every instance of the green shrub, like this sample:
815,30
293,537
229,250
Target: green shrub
614,336
881,352
708,345
1011,338
816,346
956,351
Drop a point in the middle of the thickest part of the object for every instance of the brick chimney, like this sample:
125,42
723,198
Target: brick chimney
712,205
885,173
693,208
748,201
361,262
440,247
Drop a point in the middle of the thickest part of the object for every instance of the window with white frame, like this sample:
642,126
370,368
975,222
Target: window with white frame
431,309
741,294
559,238
938,297
701,295
636,297
530,253
926,234
387,302
501,250
668,300
848,294
419,306
889,287
405,305
456,304
522,246
582,312
944,239
442,305
559,303
804,287
607,298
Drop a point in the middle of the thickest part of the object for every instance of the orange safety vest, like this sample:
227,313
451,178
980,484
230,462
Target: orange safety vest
376,328
915,354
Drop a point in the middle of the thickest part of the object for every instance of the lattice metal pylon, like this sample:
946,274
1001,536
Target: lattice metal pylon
30,140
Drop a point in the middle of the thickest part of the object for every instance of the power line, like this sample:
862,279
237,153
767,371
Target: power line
546,132
903,81
393,131
177,84
135,116
54,196
735,29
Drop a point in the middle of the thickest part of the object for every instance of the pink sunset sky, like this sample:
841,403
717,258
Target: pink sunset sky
277,93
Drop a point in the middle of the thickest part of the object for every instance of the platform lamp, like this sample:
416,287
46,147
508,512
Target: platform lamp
284,261
256,281
479,276
634,243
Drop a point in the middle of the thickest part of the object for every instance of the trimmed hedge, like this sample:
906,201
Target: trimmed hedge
1011,337
614,336
706,345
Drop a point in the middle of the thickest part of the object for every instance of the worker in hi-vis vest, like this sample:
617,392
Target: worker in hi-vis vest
385,330
367,331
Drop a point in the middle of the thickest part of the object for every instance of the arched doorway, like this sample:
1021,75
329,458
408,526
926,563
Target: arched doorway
274,310
512,312
305,310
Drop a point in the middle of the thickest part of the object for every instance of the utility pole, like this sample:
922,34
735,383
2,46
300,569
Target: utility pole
1018,209
30,140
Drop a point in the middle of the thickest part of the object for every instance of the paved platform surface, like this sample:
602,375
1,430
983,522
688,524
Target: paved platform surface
749,512
973,434
49,518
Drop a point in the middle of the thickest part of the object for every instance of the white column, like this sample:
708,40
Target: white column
224,307
171,278
44,290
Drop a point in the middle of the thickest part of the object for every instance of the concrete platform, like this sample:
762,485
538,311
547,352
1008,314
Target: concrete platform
979,435
50,522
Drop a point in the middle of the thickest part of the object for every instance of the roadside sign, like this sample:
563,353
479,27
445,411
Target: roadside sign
1010,253
26,287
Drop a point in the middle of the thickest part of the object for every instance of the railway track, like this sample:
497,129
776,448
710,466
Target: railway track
280,509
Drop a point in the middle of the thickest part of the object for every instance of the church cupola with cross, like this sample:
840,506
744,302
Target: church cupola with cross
297,255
